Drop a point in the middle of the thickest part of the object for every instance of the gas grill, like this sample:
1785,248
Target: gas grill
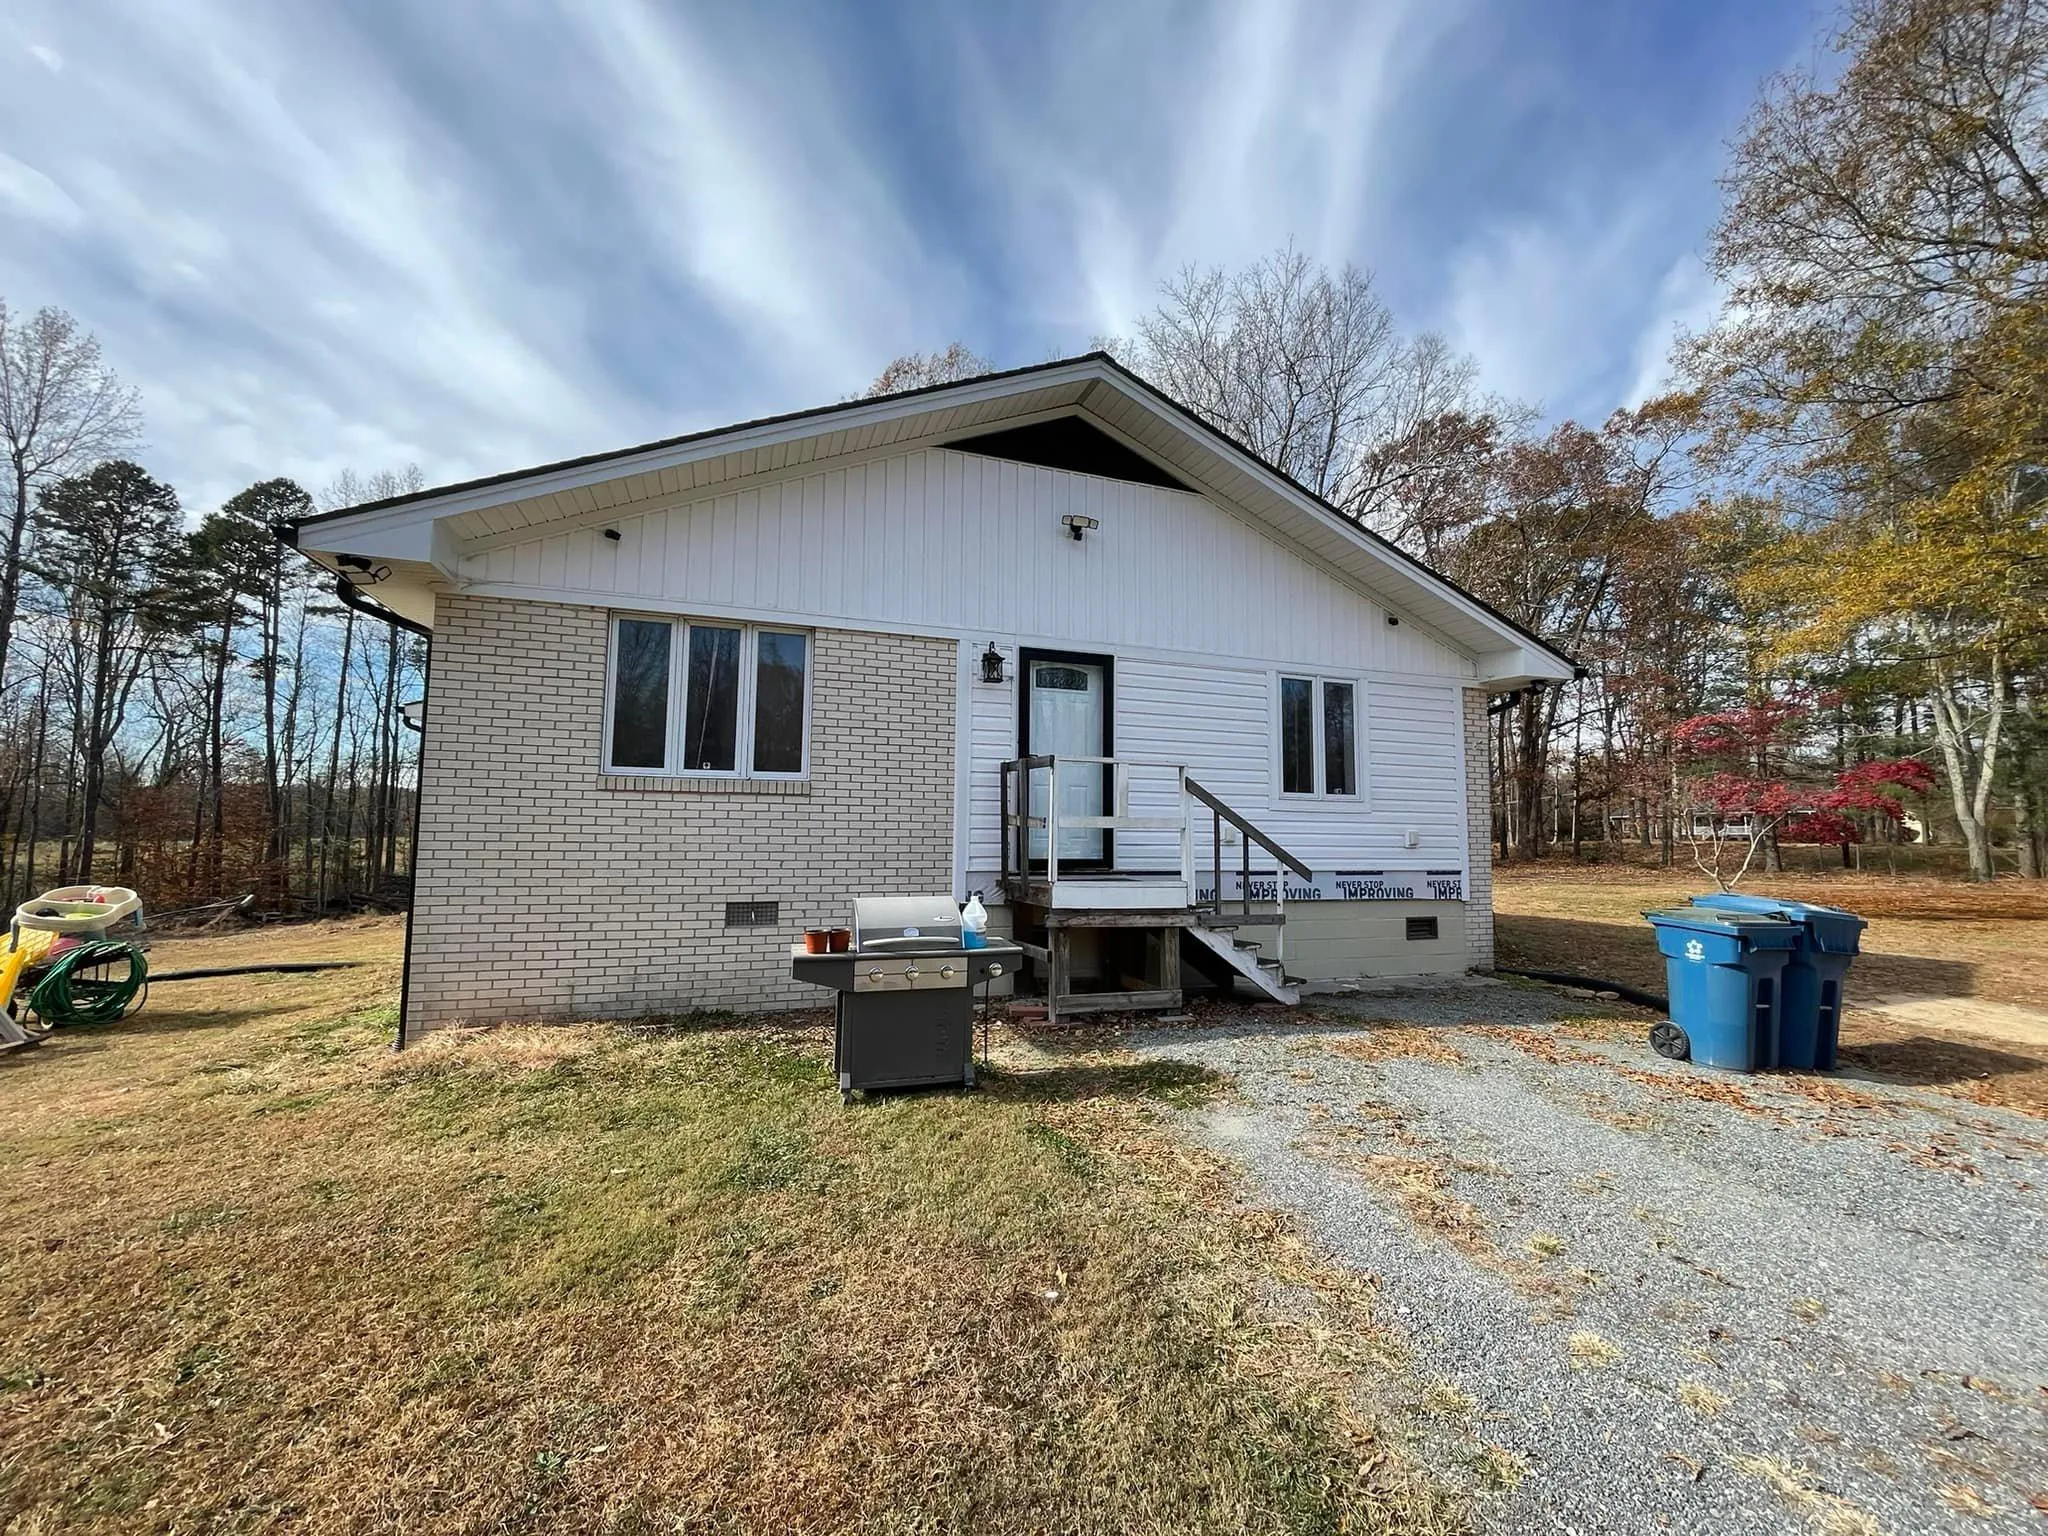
904,1015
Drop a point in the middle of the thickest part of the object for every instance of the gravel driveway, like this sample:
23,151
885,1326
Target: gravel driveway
1654,1297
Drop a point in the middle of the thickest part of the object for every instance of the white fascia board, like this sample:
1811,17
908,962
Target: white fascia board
1519,666
374,538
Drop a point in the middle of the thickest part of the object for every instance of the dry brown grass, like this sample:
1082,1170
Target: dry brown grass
1928,937
1831,1514
261,1274
1588,1351
1700,1398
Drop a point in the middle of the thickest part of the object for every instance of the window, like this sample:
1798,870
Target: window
691,698
1318,736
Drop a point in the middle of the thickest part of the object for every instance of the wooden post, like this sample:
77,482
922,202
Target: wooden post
1055,972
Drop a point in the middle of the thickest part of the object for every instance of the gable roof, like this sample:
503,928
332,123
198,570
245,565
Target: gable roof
1094,384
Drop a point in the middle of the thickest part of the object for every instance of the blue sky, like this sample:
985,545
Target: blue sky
479,235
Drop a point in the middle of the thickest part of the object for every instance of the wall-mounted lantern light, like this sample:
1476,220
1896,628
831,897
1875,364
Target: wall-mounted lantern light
414,713
1078,525
992,665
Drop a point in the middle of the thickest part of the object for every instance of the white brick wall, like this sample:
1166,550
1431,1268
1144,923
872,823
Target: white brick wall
1479,811
546,890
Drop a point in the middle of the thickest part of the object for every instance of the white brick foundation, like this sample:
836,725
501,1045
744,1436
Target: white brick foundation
548,891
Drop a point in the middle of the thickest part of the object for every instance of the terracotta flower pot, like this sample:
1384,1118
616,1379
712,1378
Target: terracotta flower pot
816,941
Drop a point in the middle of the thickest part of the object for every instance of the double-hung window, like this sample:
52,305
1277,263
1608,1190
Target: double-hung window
1318,736
685,697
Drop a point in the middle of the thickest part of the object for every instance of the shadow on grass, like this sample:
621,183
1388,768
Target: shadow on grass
1179,1083
1931,1060
1627,952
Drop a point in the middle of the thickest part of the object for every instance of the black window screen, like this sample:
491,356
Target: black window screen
1297,736
1340,733
779,703
711,706
640,702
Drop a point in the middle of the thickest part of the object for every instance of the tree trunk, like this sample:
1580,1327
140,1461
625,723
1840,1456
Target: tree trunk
348,638
35,794
216,751
1969,767
274,849
99,737
10,577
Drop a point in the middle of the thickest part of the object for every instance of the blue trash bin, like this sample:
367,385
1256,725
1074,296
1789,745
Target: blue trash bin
1725,971
1810,1025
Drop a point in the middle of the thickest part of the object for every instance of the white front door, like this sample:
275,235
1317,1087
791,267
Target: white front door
1067,714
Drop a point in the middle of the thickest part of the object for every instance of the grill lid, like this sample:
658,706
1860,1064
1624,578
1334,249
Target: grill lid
906,924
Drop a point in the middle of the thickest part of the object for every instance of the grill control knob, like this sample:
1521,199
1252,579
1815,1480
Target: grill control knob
945,973
995,968
910,973
874,973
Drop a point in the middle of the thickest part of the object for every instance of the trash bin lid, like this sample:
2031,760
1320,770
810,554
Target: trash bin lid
1764,930
1834,931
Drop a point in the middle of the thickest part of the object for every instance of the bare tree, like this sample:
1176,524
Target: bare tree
914,370
61,409
1306,368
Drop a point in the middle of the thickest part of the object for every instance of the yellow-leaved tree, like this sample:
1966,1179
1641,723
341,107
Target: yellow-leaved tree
1881,362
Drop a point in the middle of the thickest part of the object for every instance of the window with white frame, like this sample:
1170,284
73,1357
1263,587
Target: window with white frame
1318,736
708,698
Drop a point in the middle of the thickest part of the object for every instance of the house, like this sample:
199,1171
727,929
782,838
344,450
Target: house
1042,634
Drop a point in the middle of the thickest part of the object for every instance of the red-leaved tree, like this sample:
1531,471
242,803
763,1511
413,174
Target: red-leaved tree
1738,770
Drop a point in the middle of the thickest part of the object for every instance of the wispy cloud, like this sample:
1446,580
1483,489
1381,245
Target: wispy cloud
1157,138
476,236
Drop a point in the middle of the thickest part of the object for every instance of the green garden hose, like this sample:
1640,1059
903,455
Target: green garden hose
78,989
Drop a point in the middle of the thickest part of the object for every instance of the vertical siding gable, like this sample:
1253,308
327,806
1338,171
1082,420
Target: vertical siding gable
965,542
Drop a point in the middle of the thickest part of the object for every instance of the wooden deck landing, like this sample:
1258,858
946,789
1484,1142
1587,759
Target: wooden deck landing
1101,892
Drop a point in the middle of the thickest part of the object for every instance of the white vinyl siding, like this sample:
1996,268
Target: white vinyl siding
951,543
1219,721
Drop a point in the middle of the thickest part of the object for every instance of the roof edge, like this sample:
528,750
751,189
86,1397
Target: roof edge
1116,370
683,440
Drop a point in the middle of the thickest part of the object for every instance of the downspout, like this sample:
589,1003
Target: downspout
352,596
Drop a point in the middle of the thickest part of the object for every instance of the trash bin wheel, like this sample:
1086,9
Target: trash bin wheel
1667,1039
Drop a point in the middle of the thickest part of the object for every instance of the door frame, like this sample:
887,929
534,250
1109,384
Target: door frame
1026,655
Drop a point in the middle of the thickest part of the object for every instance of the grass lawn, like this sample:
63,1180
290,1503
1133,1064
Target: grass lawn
260,1273
1929,938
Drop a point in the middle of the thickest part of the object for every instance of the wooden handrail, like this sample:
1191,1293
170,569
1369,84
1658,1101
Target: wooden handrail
1251,833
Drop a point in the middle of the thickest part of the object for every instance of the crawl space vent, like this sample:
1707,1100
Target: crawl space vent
752,914
1421,927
